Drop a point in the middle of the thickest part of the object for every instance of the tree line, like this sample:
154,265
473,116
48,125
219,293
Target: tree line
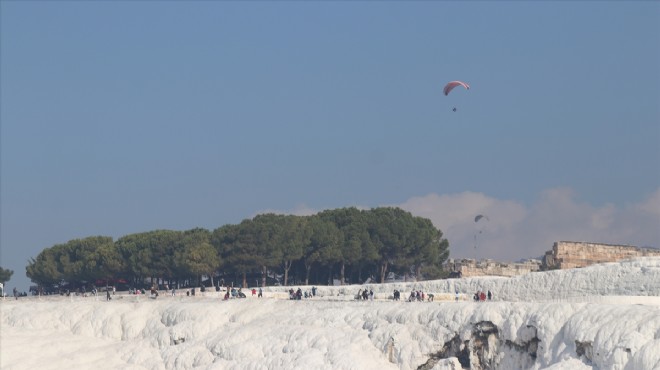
347,244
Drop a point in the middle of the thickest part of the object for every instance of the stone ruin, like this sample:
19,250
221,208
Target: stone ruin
459,268
568,255
563,255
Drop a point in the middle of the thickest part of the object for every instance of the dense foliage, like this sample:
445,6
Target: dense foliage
5,275
348,245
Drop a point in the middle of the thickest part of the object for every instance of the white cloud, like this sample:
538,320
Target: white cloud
515,230
651,206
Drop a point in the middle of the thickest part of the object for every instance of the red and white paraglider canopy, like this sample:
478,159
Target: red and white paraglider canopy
450,86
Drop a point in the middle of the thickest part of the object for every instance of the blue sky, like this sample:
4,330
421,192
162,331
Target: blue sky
123,117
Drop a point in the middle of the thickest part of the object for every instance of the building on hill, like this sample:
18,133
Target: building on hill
468,267
566,254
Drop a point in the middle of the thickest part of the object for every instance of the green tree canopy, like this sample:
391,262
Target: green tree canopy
5,275
197,256
342,243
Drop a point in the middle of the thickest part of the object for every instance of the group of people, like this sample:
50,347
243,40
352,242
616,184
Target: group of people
420,296
415,295
234,293
299,294
231,292
365,295
480,296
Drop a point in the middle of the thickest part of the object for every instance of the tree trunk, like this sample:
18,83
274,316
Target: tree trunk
308,268
264,272
244,280
341,276
287,267
383,271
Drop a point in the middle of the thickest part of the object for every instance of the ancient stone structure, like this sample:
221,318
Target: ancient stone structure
566,255
470,267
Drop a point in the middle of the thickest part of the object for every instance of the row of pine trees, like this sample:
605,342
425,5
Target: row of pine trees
344,244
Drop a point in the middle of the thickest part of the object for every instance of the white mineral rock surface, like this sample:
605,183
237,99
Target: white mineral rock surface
600,317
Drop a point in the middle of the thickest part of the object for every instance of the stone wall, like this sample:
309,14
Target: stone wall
563,255
566,254
470,267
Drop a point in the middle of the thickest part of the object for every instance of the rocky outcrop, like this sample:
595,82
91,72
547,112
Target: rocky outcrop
454,348
584,350
484,349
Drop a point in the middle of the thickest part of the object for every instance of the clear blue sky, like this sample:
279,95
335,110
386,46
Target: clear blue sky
123,117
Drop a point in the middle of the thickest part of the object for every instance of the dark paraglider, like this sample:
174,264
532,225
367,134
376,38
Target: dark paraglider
478,218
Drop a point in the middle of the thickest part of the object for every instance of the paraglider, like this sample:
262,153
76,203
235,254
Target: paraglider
479,217
451,85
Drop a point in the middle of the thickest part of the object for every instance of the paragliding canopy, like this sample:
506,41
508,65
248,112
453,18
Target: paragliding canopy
479,217
451,85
